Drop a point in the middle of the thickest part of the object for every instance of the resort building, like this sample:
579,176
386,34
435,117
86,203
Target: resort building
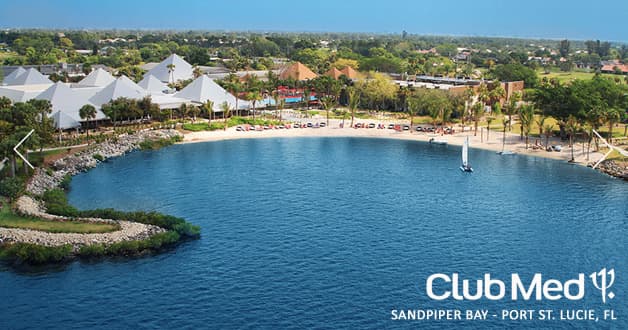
100,87
350,73
204,88
334,73
297,71
172,69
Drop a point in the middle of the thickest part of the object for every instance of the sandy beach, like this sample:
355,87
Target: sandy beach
494,143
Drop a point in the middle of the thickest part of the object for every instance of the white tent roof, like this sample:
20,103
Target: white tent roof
63,121
98,77
168,101
121,87
10,78
65,100
182,70
31,77
152,84
205,88
22,93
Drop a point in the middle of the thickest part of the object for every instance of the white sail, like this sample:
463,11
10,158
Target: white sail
465,152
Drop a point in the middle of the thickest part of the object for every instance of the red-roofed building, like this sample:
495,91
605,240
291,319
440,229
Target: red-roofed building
615,68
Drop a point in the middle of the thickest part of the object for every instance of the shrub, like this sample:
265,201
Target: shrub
160,143
57,203
196,127
92,251
65,182
168,222
12,188
99,157
124,248
35,254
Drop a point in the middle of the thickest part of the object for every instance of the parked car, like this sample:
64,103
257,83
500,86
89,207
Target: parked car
322,124
406,127
391,126
419,129
372,125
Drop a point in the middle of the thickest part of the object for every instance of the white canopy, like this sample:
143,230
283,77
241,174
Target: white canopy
63,121
65,100
205,88
152,84
97,78
181,70
31,77
121,87
10,78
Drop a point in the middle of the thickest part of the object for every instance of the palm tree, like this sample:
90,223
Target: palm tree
254,97
612,116
434,113
477,111
484,95
327,102
197,72
497,94
276,97
234,88
354,101
87,112
511,107
281,105
183,111
595,118
171,68
226,112
505,122
468,95
489,120
208,107
413,109
571,125
541,122
306,97
526,116
547,129
194,111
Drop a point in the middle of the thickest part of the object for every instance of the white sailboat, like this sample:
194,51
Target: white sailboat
465,157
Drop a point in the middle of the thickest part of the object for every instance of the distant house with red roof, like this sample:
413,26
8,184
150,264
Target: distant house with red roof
334,73
615,68
349,72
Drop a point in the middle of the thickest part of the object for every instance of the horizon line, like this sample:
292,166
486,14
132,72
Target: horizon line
279,31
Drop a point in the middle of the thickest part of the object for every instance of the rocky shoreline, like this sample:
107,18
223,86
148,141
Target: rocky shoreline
44,180
129,231
613,168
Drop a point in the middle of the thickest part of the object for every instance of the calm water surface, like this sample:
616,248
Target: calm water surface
330,233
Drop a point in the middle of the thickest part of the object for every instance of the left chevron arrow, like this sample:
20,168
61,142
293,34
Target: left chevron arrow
19,144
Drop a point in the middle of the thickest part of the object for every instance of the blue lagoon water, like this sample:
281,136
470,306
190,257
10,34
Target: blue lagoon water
331,233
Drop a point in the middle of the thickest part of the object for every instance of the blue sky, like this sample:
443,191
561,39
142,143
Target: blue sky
573,19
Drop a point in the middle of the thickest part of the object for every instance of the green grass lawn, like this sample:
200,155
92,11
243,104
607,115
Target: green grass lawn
9,219
572,75
37,158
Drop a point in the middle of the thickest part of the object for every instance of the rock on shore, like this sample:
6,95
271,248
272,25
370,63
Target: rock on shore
28,206
613,168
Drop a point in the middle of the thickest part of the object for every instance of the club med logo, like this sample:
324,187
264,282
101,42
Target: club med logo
444,286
